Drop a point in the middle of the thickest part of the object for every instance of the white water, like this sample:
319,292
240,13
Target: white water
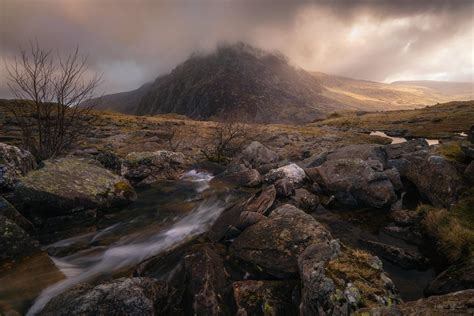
398,140
127,252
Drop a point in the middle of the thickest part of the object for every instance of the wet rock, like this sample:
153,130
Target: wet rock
206,282
468,150
305,200
354,183
292,172
456,278
406,217
404,258
225,224
248,219
266,297
239,175
284,188
410,234
15,243
469,172
14,163
125,296
147,167
67,184
262,201
274,244
458,303
434,177
9,211
258,156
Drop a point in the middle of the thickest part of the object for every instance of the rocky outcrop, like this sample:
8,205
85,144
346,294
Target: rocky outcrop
14,163
260,297
360,151
9,211
453,304
274,244
456,278
147,167
125,296
67,184
258,156
292,173
206,282
355,182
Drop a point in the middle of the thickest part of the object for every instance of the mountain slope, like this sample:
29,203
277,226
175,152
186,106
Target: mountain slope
463,89
243,82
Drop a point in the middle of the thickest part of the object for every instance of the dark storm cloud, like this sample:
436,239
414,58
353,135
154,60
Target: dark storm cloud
132,41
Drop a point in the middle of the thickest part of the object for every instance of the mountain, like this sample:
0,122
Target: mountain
244,82
463,89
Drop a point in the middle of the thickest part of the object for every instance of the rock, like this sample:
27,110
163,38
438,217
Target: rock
239,175
305,200
411,234
148,167
256,155
456,278
248,219
256,297
469,172
7,210
337,280
406,217
395,151
224,226
315,160
262,202
206,282
292,172
434,177
354,182
468,150
360,151
454,304
394,176
284,188
67,184
471,134
404,258
14,163
124,296
274,244
15,243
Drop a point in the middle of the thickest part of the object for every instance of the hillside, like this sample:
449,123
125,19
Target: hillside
254,85
462,89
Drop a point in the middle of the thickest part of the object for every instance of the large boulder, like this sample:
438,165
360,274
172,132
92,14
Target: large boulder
15,243
395,151
125,296
274,244
359,151
67,184
9,211
14,163
355,182
260,297
456,278
148,167
262,201
258,156
206,281
434,177
337,280
292,172
452,304
239,175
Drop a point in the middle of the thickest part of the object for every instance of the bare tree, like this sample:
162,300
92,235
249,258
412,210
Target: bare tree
48,89
227,140
173,138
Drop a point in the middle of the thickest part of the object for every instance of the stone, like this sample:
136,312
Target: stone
404,258
274,244
240,176
355,183
67,184
248,219
262,201
455,304
292,172
456,278
395,151
9,211
124,296
359,151
206,282
257,155
14,163
305,200
261,297
284,188
469,172
147,167
15,243
468,150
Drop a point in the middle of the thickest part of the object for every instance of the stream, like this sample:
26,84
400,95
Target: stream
169,214
398,140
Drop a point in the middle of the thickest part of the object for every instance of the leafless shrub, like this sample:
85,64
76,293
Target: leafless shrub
173,138
227,140
48,89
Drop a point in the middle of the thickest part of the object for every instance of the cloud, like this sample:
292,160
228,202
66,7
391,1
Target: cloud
132,41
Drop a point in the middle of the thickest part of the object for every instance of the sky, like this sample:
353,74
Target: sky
131,42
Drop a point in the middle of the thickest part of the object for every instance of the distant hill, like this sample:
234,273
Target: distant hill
247,83
445,87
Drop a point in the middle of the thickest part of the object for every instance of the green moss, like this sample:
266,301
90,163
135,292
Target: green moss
451,151
267,309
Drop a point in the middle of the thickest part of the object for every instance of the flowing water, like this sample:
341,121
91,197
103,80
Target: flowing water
398,140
